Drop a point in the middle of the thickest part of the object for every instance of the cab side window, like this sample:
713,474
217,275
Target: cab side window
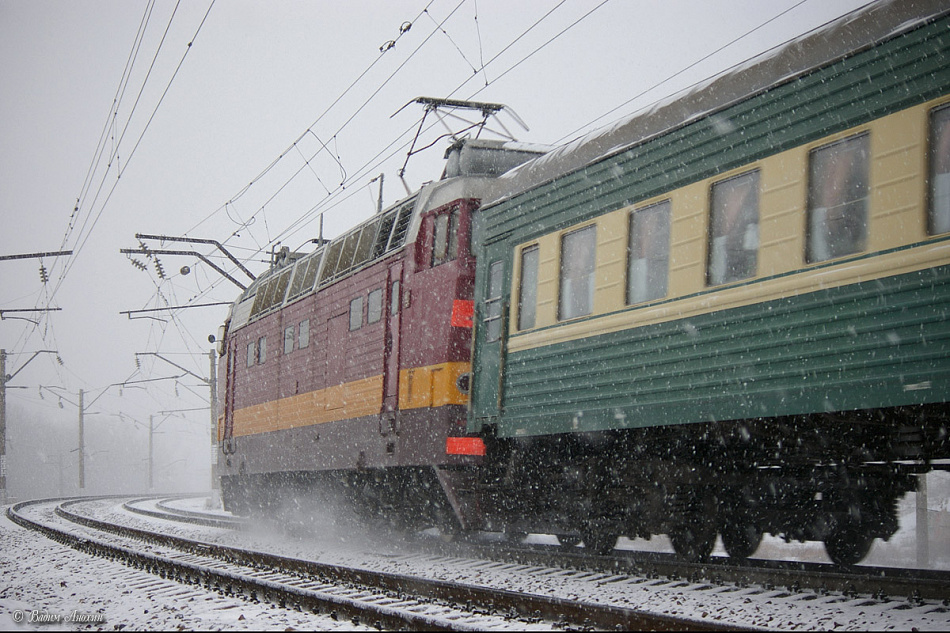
445,237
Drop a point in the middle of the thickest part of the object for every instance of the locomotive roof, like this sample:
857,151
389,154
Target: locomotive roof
849,34
471,161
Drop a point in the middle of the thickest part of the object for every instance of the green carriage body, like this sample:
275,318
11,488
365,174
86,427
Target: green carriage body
872,341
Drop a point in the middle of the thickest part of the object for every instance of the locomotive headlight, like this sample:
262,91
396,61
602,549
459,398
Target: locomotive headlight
464,383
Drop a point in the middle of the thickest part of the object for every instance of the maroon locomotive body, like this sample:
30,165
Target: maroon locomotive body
347,368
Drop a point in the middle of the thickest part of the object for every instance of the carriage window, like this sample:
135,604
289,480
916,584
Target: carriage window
445,239
356,313
838,199
528,288
303,334
939,171
261,350
648,253
734,236
374,306
251,354
577,273
288,339
493,303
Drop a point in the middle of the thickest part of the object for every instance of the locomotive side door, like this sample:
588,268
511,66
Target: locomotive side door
228,431
488,360
391,344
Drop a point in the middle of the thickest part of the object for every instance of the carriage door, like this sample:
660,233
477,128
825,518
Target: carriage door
391,343
488,361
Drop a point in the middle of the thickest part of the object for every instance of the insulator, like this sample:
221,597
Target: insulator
59,359
43,276
159,269
387,45
138,264
41,393
405,26
144,248
138,364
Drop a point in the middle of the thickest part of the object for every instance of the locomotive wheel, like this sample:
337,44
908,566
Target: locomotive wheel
848,545
694,542
740,539
599,540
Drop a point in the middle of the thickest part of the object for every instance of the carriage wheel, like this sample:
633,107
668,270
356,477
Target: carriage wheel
740,539
599,540
848,545
694,542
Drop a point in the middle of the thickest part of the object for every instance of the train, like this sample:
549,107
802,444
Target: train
724,316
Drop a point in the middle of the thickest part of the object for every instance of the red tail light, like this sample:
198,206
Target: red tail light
462,313
464,446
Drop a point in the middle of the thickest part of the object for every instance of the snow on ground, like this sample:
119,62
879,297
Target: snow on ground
40,576
50,587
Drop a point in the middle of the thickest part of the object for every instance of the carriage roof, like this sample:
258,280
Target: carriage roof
843,37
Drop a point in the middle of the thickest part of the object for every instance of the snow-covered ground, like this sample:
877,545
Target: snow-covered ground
41,577
50,587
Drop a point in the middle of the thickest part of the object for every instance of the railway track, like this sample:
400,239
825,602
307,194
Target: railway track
876,585
885,583
383,600
913,595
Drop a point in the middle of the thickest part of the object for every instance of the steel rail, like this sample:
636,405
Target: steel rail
795,576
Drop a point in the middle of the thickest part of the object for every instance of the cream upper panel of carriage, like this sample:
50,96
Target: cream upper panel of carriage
865,203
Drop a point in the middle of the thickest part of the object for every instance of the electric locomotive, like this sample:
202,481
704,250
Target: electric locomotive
346,369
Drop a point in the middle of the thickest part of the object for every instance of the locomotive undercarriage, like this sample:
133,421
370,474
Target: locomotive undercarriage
345,501
835,479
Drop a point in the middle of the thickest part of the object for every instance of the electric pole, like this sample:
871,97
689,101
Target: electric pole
151,429
213,385
82,447
3,426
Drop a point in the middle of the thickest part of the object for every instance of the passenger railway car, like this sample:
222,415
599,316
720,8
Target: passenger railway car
729,314
726,315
